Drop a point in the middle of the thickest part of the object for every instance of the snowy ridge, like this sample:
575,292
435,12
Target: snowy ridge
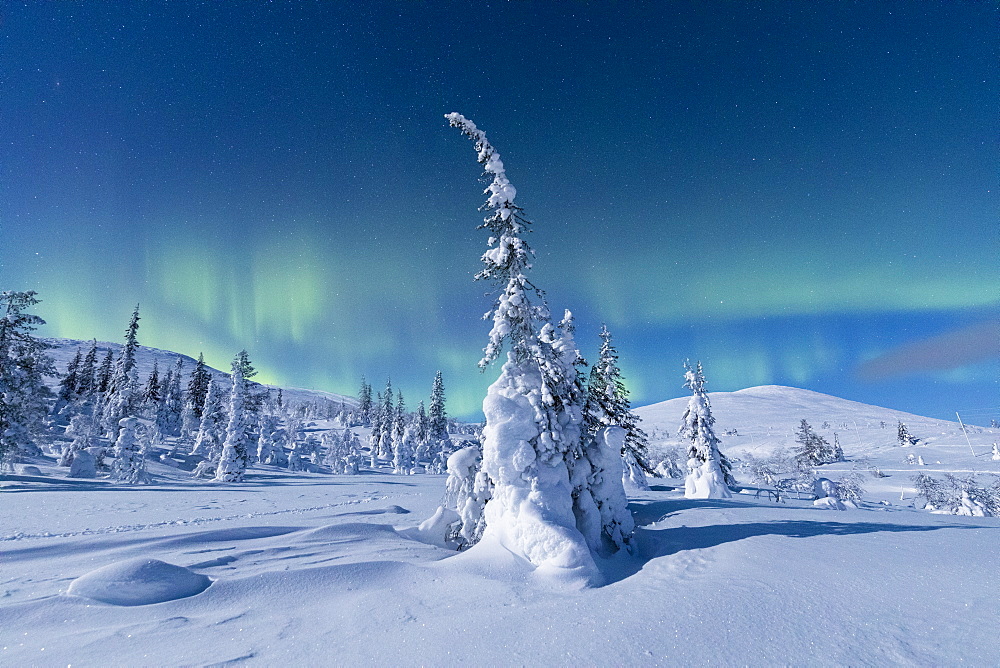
64,349
766,417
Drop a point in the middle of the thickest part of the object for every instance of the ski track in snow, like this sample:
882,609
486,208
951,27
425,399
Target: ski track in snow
194,521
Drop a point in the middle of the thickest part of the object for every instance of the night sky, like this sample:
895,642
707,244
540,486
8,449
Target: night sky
797,193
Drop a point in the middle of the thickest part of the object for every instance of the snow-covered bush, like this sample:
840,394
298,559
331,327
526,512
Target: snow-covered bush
958,496
851,487
672,464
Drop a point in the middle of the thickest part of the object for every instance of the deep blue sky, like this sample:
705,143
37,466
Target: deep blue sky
784,190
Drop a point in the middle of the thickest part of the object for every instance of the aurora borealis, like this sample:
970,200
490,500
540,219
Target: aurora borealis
786,191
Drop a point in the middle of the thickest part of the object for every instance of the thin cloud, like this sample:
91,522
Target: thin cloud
951,350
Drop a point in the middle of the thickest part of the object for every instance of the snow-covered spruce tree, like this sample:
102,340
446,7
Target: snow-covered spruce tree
197,387
122,395
80,428
23,367
813,449
234,459
387,423
402,451
267,441
375,436
130,465
599,501
708,474
534,410
151,392
365,403
608,405
85,381
69,383
208,442
904,437
104,373
438,416
172,405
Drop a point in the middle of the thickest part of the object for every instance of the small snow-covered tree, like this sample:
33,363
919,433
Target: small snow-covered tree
437,419
104,373
709,474
235,451
608,405
208,442
85,380
81,428
151,392
269,440
904,437
467,491
24,364
68,386
172,406
375,436
813,449
387,423
123,388
130,465
402,451
365,403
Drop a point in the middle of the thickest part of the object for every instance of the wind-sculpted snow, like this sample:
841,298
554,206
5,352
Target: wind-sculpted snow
139,582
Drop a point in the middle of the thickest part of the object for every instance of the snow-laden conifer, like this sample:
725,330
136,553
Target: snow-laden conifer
403,448
708,474
81,429
387,423
365,403
608,405
104,372
68,386
85,381
24,365
375,436
269,438
123,387
208,442
437,419
234,459
813,449
532,435
151,392
173,401
130,465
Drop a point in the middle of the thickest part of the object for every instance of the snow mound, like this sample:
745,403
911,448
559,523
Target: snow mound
139,581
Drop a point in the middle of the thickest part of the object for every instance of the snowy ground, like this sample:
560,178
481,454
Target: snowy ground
310,569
